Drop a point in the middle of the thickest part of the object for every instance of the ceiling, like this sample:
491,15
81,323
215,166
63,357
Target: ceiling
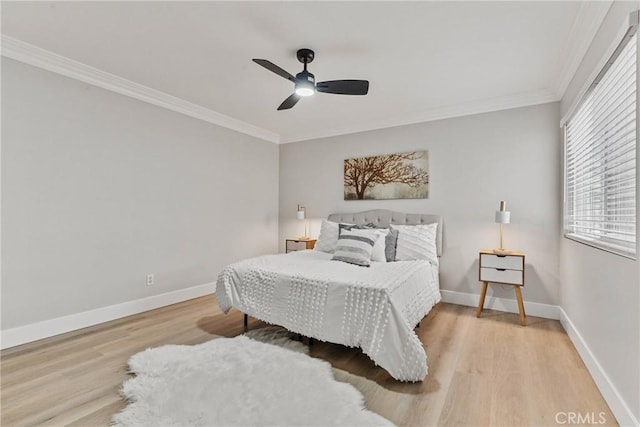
424,60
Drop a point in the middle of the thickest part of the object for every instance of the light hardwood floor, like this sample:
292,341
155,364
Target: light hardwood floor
482,372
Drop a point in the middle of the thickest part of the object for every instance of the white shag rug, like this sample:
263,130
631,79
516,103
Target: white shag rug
263,378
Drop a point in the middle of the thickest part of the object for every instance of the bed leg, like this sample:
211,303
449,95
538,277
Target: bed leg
246,322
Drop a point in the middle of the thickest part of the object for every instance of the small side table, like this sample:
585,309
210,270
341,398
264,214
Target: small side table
505,268
292,245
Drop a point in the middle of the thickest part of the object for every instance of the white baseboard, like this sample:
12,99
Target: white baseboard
618,406
537,309
48,328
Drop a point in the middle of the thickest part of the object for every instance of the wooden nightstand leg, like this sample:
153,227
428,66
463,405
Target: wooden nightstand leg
246,322
523,315
482,295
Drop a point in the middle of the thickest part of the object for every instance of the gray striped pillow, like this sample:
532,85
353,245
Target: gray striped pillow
355,246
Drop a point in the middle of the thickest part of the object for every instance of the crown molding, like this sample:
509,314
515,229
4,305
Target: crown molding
41,58
438,113
583,30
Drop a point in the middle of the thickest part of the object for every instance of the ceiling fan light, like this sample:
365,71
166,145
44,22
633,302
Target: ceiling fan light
305,89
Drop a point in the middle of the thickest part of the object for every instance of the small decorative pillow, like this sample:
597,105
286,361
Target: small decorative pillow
416,242
328,238
390,244
355,246
379,249
378,252
390,241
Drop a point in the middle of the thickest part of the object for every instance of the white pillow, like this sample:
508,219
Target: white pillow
378,254
355,246
328,238
416,242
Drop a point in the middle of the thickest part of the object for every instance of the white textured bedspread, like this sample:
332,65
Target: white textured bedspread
373,308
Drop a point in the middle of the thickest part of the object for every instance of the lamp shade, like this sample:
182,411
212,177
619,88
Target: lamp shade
503,217
300,214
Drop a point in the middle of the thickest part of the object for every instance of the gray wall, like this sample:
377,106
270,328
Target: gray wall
474,162
99,189
601,291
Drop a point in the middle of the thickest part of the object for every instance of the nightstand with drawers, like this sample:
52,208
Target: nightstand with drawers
505,268
291,245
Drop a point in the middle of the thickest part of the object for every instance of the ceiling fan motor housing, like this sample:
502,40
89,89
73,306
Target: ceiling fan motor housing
305,76
305,83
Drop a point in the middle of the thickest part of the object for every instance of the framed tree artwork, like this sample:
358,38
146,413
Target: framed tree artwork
390,176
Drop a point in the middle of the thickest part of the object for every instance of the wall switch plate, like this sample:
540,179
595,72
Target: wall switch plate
149,279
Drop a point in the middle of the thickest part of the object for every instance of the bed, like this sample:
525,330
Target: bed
374,308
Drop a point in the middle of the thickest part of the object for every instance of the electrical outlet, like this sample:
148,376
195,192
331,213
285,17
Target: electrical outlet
149,279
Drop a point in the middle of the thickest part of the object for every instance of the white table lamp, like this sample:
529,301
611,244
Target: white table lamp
301,215
503,216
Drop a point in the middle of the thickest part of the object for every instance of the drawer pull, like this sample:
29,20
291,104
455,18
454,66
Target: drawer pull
501,256
501,269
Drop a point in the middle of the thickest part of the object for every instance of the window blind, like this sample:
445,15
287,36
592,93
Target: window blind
600,158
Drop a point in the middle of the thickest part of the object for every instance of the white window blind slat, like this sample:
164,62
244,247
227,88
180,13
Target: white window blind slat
589,177
625,123
624,133
598,128
585,177
600,159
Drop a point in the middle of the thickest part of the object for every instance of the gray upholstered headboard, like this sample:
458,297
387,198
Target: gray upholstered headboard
383,217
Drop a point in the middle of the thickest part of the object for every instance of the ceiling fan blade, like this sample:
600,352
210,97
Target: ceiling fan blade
289,102
344,87
274,68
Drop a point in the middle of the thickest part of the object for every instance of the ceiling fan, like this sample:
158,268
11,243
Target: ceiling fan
305,82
